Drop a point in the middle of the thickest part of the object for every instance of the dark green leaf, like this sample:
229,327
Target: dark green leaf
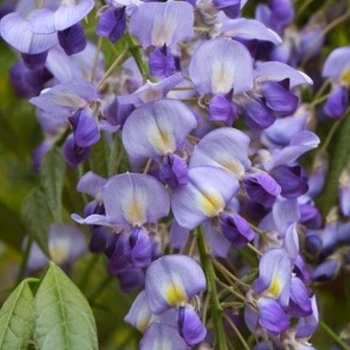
35,214
52,172
99,157
12,228
63,318
339,157
16,318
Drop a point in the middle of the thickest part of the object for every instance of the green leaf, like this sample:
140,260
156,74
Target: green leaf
16,318
52,173
63,318
99,157
340,155
12,228
35,214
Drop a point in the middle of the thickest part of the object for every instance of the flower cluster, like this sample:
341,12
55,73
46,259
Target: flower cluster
204,117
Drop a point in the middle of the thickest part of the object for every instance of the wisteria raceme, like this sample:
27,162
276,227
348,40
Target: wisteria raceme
206,164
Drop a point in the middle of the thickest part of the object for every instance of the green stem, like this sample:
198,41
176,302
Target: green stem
23,267
87,271
136,53
335,336
99,288
216,309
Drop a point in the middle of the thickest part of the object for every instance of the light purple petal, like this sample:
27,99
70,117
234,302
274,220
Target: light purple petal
129,199
218,244
172,280
162,23
178,235
301,143
299,295
190,326
285,212
226,148
275,271
337,62
17,31
91,184
278,71
157,128
219,65
272,316
139,314
162,336
249,29
151,91
205,196
71,12
65,99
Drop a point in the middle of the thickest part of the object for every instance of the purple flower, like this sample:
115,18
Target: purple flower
236,229
231,67
171,281
66,244
72,39
190,326
129,202
274,276
160,24
205,196
226,148
157,129
262,188
112,23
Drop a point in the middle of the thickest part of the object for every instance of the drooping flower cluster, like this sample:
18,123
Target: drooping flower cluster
208,114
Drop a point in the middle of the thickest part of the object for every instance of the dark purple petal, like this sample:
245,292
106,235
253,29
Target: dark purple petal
174,171
222,109
85,128
28,83
34,61
112,24
74,154
116,113
161,62
115,248
310,216
272,317
99,238
231,8
325,271
313,244
257,116
131,280
292,180
300,303
190,326
138,249
337,102
236,229
279,98
72,39
262,188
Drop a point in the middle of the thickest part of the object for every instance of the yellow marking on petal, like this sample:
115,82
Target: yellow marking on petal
222,79
274,288
345,77
58,253
164,142
163,32
135,214
212,203
142,323
234,166
175,294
